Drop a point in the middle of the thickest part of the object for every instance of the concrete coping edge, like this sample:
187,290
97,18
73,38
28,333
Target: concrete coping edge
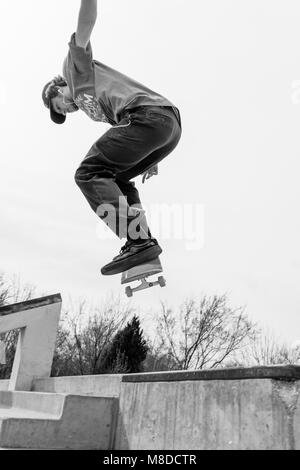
279,372
30,304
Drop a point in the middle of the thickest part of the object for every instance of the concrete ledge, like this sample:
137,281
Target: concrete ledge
30,304
52,421
49,403
4,384
94,385
209,415
291,372
218,409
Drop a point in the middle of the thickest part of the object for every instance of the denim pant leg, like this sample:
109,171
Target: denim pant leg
154,158
119,150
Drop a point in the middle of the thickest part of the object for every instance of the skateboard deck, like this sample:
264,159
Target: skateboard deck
141,273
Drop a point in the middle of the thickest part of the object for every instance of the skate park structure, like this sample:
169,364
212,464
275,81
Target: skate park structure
238,408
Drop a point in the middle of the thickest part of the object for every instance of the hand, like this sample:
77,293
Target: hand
149,173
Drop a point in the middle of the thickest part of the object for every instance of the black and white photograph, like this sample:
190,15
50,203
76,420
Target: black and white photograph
150,228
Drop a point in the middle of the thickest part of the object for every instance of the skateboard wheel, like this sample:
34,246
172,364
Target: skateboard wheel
129,292
162,281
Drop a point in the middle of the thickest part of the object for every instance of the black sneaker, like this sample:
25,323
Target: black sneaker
132,254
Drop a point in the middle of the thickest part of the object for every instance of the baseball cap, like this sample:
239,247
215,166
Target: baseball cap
46,96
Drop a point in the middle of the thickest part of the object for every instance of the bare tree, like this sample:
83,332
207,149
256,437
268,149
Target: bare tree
83,341
203,334
83,335
12,290
157,360
4,290
265,349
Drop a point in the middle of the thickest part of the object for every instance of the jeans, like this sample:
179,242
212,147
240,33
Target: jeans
143,137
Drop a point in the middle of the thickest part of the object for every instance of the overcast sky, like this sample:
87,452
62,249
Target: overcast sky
233,69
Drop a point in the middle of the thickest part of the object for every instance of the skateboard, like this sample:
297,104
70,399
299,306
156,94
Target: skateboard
141,273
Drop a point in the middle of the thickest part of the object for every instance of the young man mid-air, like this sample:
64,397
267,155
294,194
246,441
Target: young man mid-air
146,127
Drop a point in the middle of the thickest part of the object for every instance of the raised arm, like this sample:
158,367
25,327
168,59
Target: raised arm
86,21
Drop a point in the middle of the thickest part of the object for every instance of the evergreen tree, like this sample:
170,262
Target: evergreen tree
127,351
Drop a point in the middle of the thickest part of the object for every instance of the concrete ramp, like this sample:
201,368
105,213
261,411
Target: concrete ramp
30,420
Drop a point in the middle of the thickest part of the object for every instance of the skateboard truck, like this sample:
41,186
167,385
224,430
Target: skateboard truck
141,273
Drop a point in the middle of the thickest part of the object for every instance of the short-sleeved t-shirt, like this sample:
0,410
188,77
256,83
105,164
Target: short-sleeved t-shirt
102,92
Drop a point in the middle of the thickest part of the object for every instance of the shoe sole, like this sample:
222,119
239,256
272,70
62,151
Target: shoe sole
132,261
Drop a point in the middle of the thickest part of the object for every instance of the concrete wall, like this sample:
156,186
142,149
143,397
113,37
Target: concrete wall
97,385
4,385
37,320
254,408
196,415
